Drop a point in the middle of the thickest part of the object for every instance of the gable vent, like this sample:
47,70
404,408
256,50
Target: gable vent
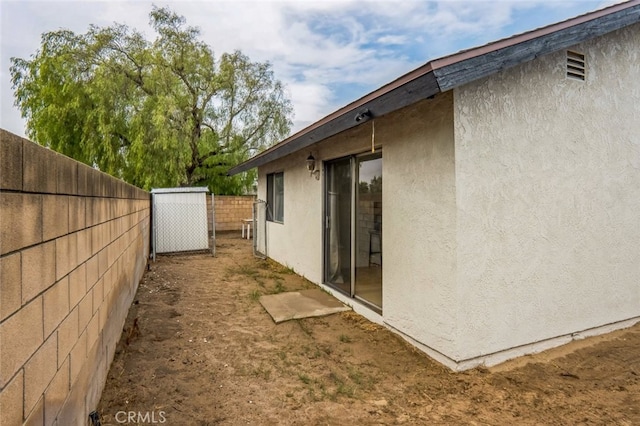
576,67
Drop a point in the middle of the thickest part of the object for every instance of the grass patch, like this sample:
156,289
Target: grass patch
273,276
255,295
246,270
345,390
279,288
341,387
304,327
333,386
327,349
345,339
262,371
276,267
356,377
304,378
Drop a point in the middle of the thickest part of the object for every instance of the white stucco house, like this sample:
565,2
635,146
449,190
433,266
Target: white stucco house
483,206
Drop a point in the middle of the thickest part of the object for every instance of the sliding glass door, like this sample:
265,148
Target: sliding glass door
368,230
353,227
338,197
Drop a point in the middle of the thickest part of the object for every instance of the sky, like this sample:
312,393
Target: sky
327,53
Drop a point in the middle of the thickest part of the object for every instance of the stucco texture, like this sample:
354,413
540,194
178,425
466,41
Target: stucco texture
418,210
510,207
419,224
548,195
298,241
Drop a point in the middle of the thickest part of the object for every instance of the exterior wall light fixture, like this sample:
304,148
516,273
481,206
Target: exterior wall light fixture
311,166
363,115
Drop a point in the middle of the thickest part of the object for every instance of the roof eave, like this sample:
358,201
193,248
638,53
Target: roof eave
408,89
452,71
465,67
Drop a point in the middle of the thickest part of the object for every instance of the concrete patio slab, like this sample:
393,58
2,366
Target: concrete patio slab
301,304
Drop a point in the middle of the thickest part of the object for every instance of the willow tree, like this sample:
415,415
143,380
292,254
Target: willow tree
154,113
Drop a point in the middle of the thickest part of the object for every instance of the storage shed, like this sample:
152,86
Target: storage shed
180,219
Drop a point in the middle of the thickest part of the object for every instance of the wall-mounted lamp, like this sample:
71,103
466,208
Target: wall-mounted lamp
363,115
311,166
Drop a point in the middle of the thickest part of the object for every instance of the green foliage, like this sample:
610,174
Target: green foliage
304,378
255,295
154,113
345,339
374,187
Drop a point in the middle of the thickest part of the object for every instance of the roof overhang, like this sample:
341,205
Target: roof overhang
180,190
452,71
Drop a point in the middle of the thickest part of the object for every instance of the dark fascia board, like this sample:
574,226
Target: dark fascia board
453,71
465,71
396,95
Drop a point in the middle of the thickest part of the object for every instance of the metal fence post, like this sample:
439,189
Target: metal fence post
259,229
213,225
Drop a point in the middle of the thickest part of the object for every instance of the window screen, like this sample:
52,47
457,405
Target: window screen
275,197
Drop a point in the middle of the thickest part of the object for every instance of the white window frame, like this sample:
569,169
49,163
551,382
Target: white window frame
275,197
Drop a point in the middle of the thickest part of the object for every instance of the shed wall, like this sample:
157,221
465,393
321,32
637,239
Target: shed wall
180,221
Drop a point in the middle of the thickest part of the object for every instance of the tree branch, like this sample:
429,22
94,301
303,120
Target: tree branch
258,128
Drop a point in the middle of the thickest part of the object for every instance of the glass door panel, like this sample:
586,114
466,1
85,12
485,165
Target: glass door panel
368,230
338,202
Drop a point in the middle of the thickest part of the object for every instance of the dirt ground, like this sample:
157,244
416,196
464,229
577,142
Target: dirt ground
198,349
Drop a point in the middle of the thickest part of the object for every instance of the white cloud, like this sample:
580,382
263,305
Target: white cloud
392,39
315,47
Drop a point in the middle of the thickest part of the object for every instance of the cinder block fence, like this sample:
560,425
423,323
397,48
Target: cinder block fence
74,243
230,211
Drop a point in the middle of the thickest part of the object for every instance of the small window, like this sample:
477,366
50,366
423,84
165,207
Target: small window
576,66
275,197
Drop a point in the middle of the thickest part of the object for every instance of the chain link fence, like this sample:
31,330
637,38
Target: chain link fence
260,229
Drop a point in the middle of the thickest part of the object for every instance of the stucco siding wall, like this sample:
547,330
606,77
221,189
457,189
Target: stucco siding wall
419,224
418,216
548,195
297,242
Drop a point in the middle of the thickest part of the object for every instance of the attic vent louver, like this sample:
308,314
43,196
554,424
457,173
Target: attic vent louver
576,67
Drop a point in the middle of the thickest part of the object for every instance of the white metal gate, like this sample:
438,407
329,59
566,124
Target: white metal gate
260,228
180,220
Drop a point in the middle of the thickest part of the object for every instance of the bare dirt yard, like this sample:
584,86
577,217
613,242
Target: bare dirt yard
198,349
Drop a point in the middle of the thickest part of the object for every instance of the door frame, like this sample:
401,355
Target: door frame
354,175
326,221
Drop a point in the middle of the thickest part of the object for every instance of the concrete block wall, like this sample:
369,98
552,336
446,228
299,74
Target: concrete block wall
74,243
230,210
